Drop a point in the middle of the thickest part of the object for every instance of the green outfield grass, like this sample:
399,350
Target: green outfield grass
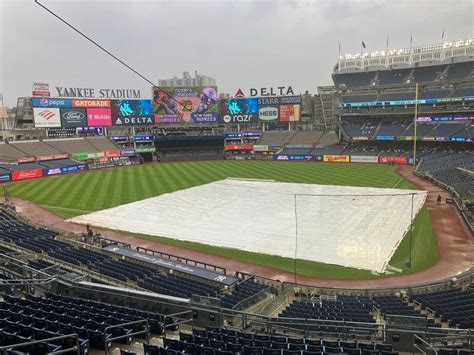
77,194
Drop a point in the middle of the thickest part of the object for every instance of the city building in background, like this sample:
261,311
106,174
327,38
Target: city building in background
187,80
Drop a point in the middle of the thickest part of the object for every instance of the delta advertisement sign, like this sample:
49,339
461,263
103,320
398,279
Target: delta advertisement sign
27,174
131,113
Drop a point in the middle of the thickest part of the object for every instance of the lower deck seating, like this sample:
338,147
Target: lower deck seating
233,341
36,318
454,306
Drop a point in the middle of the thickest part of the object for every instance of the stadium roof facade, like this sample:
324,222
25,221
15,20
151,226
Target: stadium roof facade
441,53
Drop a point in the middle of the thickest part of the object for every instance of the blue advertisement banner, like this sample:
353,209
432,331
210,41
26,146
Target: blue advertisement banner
51,102
64,170
143,138
385,138
233,135
292,157
5,177
406,102
119,138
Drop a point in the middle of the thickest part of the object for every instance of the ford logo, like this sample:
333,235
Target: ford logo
74,116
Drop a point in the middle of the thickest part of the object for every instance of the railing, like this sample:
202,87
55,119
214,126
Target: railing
177,315
6,348
447,283
420,340
253,299
180,259
107,340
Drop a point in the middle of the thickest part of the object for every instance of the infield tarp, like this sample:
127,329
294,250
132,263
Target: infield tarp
349,226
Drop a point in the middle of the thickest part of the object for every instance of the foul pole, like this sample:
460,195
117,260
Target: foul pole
414,122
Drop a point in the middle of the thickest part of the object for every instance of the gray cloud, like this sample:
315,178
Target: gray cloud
240,43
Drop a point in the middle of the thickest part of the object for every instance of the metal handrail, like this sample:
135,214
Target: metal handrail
4,349
176,315
145,331
417,337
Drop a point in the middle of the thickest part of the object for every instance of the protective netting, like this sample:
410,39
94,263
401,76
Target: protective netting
349,226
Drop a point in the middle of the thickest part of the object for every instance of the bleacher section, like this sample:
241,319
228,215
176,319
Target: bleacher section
452,169
391,128
219,341
101,144
427,74
392,305
373,128
71,145
20,149
9,153
282,138
454,306
37,318
242,292
275,138
41,318
424,74
396,96
359,98
41,240
393,77
354,79
345,308
35,148
447,129
460,71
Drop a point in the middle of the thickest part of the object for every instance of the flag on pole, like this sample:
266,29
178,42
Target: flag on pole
363,45
411,40
442,34
387,41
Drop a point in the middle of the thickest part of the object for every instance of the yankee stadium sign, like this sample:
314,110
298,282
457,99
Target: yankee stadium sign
100,93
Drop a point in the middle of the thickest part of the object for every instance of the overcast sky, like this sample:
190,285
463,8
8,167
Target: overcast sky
240,43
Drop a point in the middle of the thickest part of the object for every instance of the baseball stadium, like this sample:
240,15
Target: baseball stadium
188,221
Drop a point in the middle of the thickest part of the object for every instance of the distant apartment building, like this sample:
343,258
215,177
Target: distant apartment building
187,80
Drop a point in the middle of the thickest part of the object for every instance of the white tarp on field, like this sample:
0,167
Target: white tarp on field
349,226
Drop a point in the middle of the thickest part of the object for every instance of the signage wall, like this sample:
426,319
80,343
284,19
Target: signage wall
99,117
46,117
27,174
185,105
73,117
